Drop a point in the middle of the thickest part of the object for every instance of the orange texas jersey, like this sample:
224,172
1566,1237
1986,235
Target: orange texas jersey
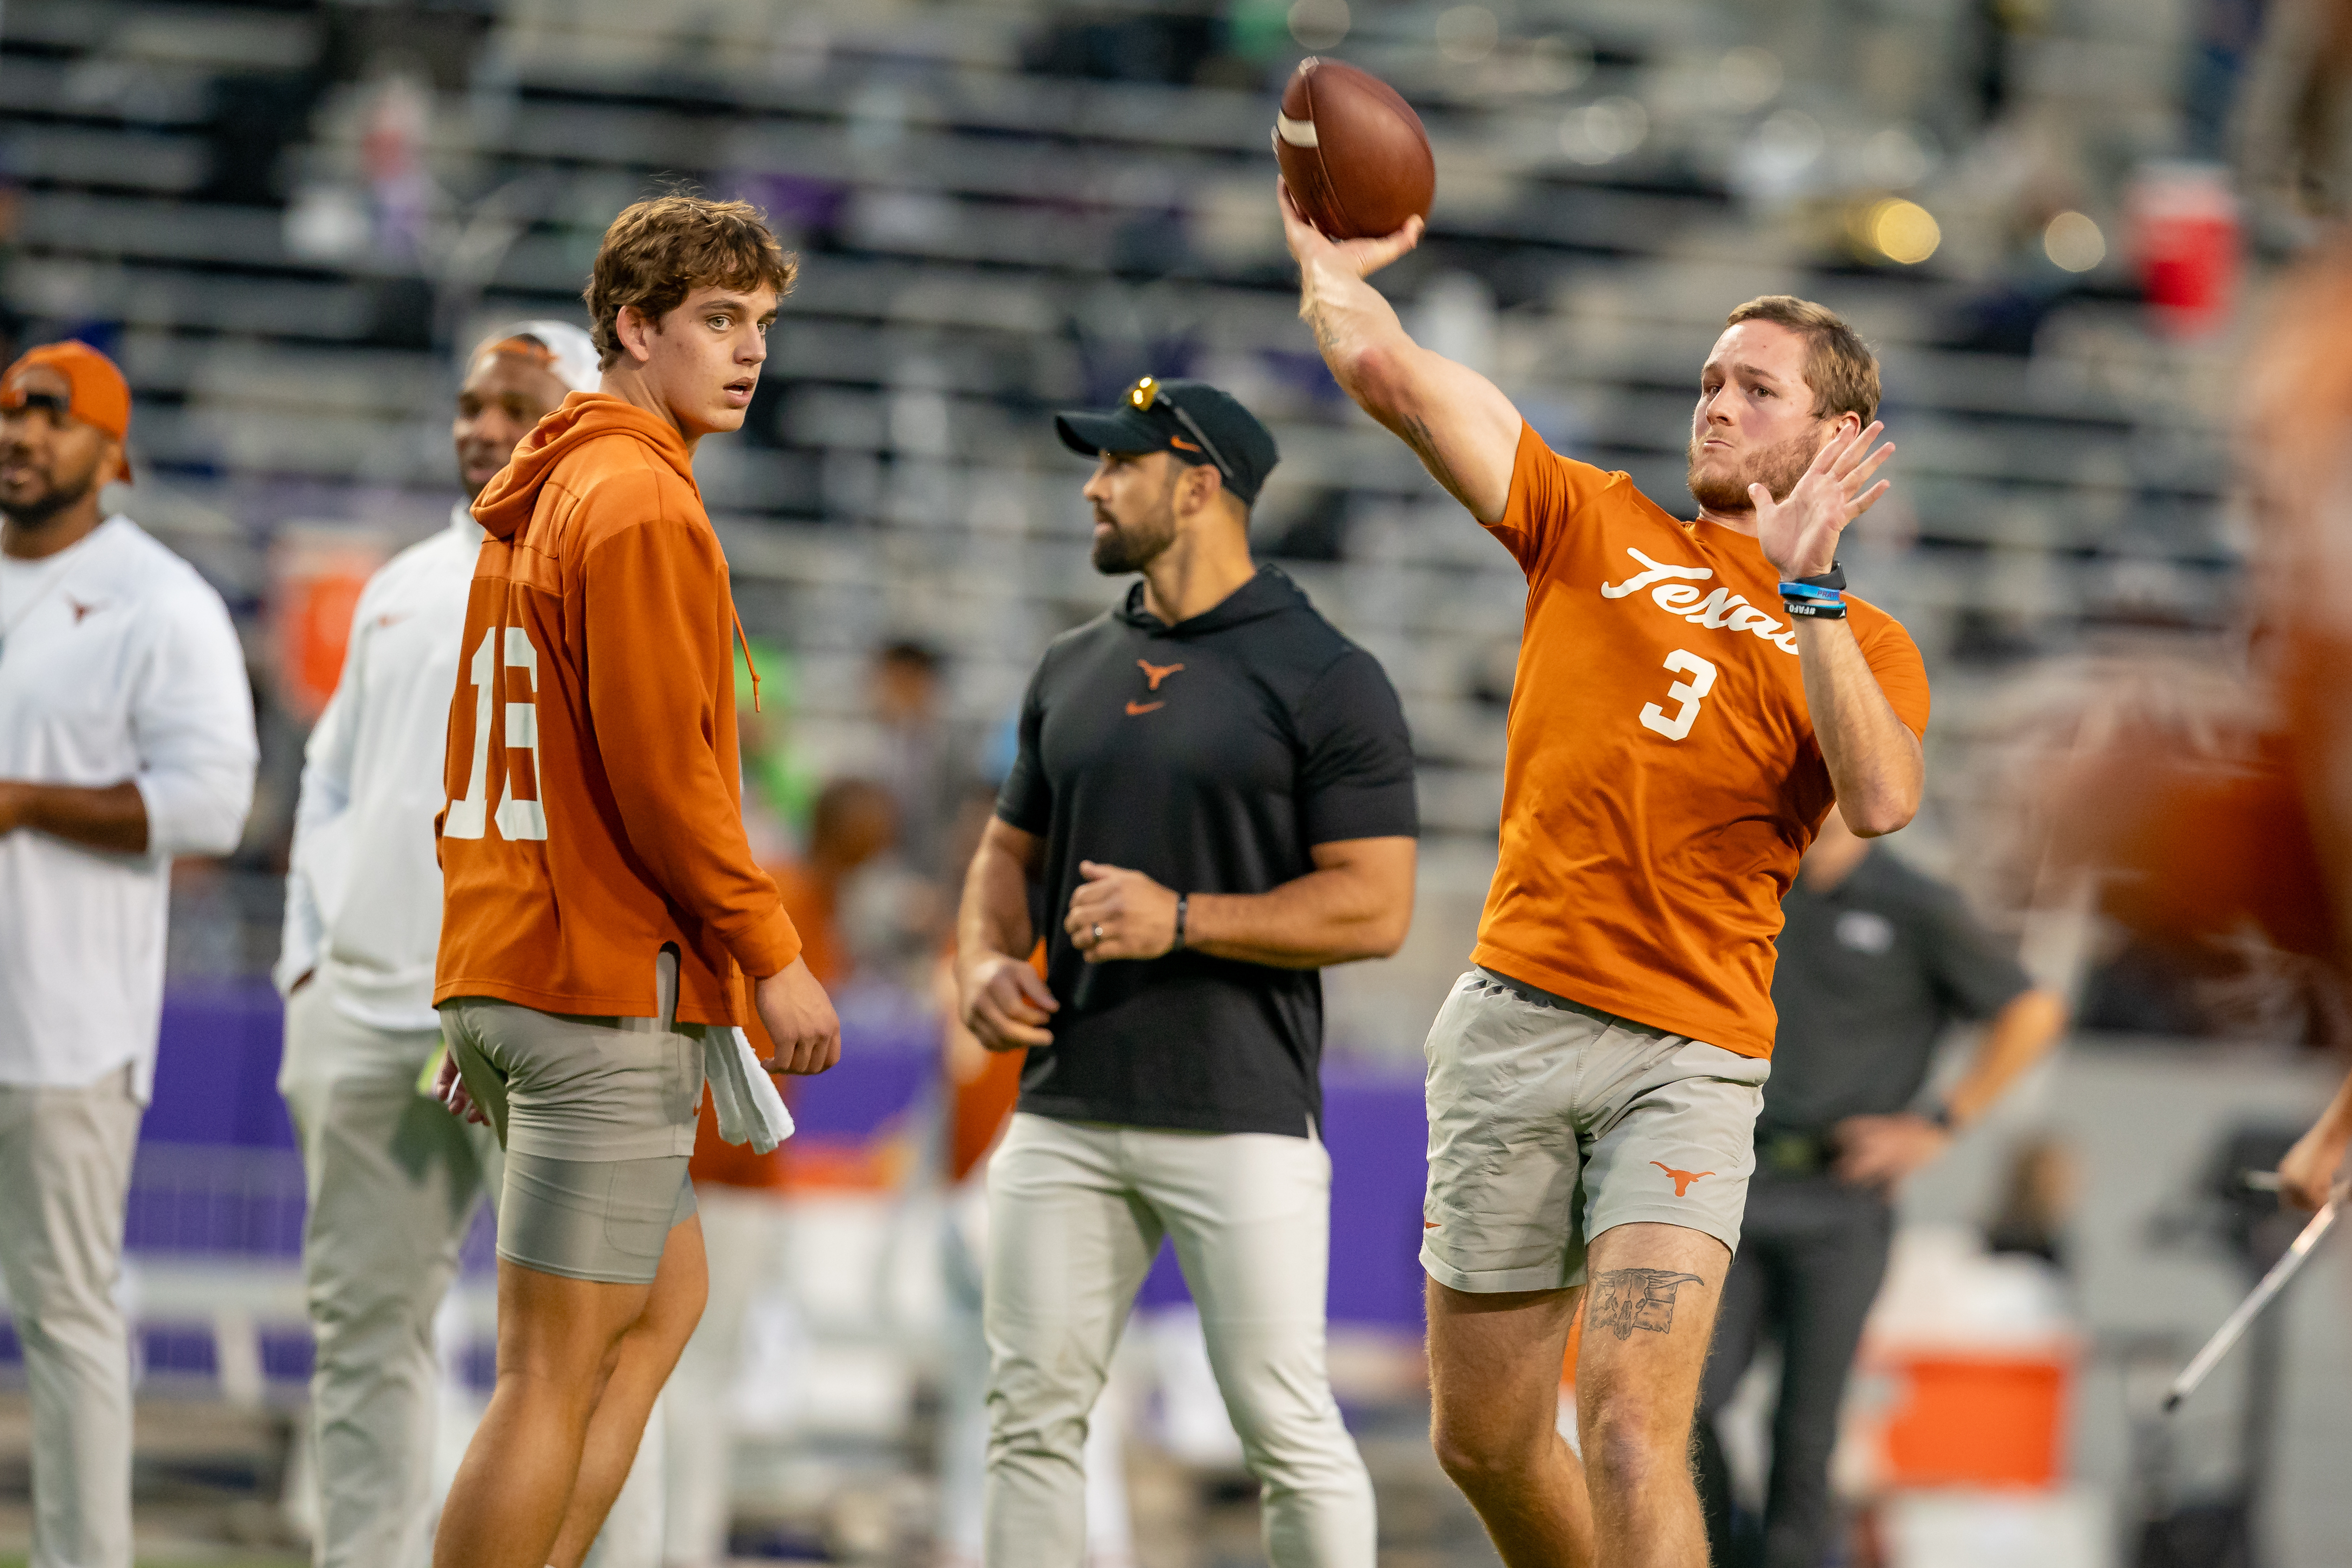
1661,776
596,797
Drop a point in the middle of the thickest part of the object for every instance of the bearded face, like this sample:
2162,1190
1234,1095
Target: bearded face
1132,541
46,465
1719,479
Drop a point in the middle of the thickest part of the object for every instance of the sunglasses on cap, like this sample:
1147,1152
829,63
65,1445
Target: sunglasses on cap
1144,395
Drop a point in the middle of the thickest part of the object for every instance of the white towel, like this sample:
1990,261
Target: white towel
750,1109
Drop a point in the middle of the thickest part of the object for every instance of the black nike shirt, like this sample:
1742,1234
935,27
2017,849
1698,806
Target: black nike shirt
1212,755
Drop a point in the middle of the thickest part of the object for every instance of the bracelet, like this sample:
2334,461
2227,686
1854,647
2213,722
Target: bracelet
1820,597
1182,901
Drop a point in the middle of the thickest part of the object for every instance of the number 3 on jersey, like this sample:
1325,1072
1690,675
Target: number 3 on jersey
517,818
1689,694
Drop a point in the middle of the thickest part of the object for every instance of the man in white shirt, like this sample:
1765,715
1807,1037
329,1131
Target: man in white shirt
393,1178
126,739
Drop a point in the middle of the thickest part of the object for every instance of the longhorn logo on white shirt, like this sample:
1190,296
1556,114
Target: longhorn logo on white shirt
1722,610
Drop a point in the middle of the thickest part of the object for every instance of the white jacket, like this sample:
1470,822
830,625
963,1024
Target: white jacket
126,666
363,891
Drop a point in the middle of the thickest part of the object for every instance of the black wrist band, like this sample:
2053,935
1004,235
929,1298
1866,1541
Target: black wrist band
1182,901
1833,578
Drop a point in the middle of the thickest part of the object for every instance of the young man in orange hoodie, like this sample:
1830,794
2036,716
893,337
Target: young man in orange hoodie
602,908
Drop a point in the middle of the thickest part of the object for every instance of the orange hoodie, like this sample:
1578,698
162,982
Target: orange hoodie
595,796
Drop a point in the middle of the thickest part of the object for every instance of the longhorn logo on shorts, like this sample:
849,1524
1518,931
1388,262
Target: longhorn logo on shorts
1682,1179
1155,674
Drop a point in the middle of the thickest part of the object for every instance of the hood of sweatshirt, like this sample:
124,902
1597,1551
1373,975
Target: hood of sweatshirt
507,501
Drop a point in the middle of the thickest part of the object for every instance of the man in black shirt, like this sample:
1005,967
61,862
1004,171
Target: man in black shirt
1874,961
1213,799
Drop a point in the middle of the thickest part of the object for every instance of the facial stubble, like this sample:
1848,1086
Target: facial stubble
1777,468
56,498
1131,547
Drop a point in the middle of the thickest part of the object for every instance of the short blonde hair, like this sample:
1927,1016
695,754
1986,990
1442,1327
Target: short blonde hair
1838,366
659,251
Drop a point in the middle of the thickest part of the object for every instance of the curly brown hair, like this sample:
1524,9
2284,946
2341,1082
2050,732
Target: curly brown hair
1838,366
660,250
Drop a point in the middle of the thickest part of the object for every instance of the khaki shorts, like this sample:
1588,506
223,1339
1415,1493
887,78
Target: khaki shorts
1550,1122
597,1118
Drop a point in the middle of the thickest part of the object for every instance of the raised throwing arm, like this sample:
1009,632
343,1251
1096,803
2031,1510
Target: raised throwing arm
1459,422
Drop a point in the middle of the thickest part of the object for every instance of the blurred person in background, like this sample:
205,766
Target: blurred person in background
2295,123
780,785
126,739
393,1181
1213,799
2297,443
922,757
736,1192
603,923
1876,962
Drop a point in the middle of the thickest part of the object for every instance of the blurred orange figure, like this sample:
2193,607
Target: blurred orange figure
2210,803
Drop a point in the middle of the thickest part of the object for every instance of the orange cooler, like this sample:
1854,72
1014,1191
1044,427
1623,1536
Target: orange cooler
1978,1418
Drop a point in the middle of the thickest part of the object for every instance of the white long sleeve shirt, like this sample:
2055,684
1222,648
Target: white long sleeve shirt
363,892
117,661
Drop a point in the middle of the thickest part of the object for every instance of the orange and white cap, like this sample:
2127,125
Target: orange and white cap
97,393
564,351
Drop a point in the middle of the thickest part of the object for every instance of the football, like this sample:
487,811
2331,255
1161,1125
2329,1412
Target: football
1352,152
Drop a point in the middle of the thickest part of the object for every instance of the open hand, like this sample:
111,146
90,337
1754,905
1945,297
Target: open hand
449,1088
1006,1005
1881,1151
1361,258
1800,535
800,1019
1118,914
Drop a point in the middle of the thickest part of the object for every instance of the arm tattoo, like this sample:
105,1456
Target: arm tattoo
1417,436
1326,336
1625,1300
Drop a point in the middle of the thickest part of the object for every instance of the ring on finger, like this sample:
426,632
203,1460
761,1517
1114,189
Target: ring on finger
1098,932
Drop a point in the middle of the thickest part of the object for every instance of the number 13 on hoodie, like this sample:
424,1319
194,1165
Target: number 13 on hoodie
517,818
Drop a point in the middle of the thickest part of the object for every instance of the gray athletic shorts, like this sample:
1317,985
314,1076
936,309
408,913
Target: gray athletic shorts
597,1119
1550,1122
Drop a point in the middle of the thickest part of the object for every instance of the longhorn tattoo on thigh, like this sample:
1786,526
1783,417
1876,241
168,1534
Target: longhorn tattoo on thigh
1625,1300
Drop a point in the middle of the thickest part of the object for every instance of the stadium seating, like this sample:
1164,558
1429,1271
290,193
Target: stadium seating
283,217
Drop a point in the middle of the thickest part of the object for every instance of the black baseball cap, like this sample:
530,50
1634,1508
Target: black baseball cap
1190,419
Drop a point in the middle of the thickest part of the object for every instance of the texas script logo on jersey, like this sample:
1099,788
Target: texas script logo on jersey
1155,674
1721,610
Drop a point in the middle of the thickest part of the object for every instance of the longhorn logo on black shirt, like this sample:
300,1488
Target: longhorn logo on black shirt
1155,674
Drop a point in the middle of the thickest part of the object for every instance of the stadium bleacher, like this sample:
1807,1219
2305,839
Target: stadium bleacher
282,217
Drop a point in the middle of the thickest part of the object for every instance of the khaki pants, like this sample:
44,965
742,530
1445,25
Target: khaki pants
1075,1212
65,1175
393,1181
